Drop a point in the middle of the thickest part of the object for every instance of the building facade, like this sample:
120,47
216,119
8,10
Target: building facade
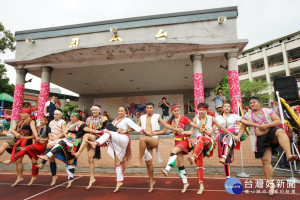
276,58
177,53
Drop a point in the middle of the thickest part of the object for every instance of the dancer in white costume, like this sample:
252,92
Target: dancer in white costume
96,125
150,122
119,144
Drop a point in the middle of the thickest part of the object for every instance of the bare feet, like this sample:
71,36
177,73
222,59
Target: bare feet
93,144
40,166
165,172
31,181
44,157
185,186
272,188
119,184
92,180
17,181
70,183
222,161
291,158
151,186
137,164
191,159
200,191
7,162
54,178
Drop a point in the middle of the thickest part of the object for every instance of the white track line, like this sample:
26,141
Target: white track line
105,176
50,189
129,188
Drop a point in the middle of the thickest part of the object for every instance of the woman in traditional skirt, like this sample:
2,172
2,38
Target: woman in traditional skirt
96,124
205,143
58,128
119,144
24,132
71,143
183,145
33,150
226,143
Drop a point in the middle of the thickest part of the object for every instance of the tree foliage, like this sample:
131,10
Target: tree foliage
5,86
248,89
6,40
6,43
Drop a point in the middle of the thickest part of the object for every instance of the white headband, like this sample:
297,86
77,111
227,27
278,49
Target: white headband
57,112
95,107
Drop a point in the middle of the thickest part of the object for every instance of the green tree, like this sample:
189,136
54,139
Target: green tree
248,89
6,43
6,40
254,88
5,86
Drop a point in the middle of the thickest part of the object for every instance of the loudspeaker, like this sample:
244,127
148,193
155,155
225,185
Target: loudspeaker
287,88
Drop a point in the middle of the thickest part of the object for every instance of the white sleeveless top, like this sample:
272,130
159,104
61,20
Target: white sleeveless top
208,125
154,122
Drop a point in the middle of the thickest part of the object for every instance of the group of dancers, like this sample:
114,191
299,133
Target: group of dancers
66,141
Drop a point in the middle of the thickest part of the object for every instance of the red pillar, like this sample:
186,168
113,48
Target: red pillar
18,94
198,80
234,82
45,89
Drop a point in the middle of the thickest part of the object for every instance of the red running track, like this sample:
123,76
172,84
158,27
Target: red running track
134,188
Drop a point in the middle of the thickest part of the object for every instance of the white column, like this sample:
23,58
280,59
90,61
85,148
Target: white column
249,68
285,60
268,78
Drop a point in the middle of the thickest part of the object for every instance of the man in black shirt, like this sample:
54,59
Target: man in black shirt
50,107
164,105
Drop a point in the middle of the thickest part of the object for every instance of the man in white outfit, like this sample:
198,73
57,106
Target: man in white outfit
150,123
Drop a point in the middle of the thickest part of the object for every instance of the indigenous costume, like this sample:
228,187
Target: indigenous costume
67,145
97,123
119,144
225,142
23,128
155,127
201,137
34,150
259,144
183,142
56,129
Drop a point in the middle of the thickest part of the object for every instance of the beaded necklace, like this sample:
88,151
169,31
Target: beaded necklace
202,127
175,123
74,126
95,122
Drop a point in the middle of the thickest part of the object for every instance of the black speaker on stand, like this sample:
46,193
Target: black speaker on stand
287,88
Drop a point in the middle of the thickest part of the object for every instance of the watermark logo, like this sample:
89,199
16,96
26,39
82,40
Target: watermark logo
233,186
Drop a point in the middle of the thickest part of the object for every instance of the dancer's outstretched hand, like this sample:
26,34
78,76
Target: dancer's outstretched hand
263,127
237,139
148,133
209,133
179,130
